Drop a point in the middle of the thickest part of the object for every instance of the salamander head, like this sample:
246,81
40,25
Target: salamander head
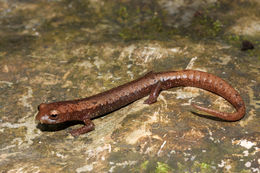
51,114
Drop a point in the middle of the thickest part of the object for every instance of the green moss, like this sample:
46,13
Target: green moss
206,26
195,167
144,165
203,167
142,21
123,14
217,26
233,38
162,168
180,166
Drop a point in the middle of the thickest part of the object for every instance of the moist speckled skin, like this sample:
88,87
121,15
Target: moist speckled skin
151,84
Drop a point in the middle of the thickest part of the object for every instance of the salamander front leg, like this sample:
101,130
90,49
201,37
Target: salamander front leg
89,126
155,91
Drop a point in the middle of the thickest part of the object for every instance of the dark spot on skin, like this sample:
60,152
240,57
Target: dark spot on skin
246,45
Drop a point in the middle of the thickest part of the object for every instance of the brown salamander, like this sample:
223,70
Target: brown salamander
151,84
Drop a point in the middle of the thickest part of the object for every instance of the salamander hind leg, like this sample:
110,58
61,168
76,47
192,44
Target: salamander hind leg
89,126
155,91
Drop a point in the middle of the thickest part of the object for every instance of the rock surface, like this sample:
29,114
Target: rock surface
61,50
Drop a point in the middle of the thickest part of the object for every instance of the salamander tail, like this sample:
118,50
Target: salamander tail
222,115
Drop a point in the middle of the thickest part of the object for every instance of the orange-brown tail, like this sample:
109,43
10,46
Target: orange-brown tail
240,112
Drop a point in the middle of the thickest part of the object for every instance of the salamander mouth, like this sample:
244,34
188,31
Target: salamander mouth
45,119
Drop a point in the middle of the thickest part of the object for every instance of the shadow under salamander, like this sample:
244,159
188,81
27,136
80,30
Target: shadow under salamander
208,117
57,127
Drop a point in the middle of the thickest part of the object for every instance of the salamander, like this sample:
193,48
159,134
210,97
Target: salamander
150,84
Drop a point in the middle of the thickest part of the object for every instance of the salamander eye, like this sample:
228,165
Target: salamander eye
54,114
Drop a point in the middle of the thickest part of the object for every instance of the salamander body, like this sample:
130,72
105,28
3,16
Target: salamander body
151,84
